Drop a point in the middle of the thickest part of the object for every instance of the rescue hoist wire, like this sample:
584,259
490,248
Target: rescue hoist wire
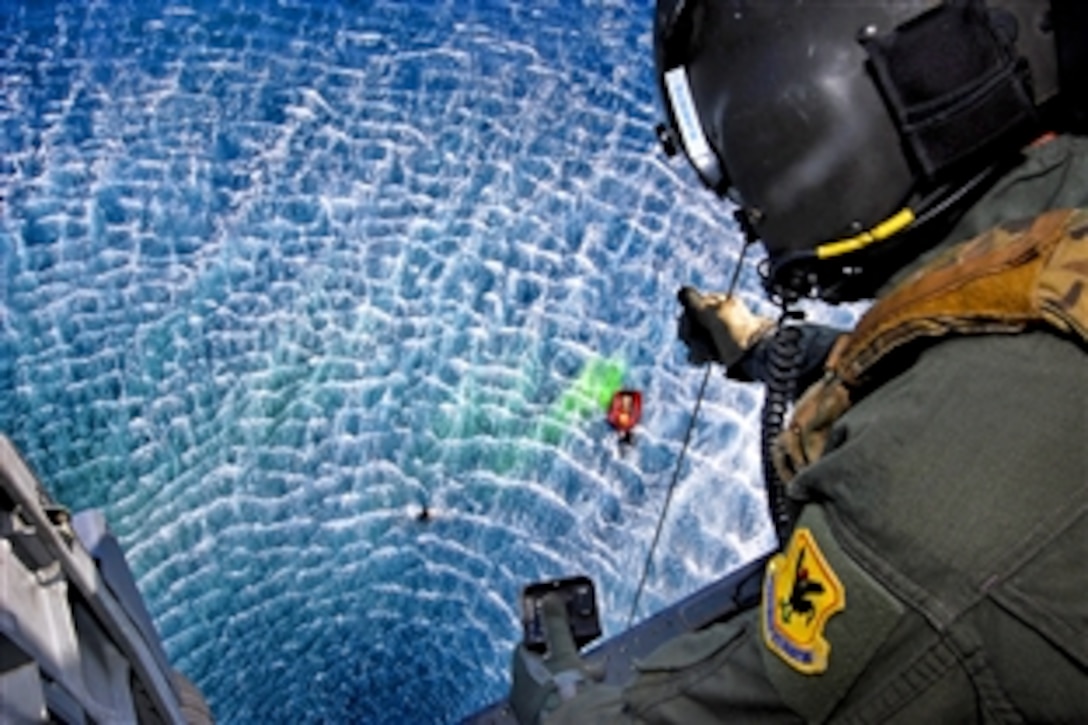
683,450
668,498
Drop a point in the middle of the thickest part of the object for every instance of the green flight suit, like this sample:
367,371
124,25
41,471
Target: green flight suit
946,533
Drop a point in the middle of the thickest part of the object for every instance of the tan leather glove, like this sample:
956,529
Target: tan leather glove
717,328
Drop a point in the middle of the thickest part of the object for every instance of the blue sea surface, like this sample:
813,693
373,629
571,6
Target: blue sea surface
275,274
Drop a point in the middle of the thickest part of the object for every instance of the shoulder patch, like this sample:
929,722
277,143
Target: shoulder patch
800,593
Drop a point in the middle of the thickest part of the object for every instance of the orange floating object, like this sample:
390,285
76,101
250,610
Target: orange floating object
624,412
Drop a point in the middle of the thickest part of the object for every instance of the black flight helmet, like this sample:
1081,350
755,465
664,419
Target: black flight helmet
841,128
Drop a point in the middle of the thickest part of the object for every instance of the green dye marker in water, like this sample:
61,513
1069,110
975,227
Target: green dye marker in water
589,394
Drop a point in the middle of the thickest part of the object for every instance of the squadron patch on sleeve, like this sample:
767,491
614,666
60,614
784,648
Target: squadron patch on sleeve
800,593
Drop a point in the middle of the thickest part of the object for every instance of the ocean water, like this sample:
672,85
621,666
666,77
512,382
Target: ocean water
274,274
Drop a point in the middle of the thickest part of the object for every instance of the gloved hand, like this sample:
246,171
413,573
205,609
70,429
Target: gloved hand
717,328
541,683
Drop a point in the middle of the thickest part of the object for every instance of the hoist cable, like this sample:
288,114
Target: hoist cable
683,450
668,499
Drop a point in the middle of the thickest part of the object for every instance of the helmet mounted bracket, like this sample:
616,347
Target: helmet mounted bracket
954,85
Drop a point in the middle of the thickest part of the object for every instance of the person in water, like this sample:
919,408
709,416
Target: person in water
930,488
624,413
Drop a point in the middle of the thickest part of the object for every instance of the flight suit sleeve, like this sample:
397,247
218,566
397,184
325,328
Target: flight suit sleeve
711,676
814,345
792,659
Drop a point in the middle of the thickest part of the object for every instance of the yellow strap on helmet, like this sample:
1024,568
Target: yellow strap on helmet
887,228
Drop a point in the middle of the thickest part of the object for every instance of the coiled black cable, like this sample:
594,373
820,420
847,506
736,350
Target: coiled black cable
785,358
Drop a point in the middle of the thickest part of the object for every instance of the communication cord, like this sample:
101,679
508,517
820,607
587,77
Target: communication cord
784,363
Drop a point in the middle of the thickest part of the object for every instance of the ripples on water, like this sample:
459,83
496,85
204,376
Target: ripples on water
274,274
